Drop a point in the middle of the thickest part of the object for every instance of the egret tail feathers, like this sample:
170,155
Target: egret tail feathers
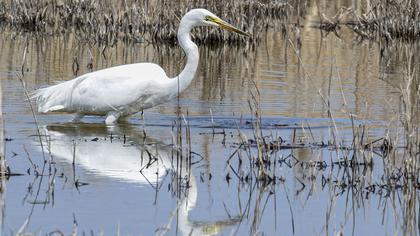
56,97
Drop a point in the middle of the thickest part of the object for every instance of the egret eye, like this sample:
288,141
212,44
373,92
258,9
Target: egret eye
208,18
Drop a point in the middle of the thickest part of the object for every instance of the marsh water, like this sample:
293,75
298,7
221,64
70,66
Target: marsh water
122,179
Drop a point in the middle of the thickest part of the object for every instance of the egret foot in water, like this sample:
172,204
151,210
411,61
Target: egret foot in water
112,117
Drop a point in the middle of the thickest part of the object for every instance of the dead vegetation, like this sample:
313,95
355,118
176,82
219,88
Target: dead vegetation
138,20
389,20
394,25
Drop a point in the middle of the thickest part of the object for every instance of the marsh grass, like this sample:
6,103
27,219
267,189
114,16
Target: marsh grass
106,22
388,20
397,150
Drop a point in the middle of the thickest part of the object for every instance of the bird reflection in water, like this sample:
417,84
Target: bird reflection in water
127,154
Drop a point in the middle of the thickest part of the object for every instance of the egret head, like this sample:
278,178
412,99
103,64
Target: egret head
206,18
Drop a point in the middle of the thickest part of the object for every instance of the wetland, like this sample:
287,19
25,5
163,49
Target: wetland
308,128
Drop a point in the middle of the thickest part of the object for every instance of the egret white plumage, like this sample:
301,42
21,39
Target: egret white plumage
127,89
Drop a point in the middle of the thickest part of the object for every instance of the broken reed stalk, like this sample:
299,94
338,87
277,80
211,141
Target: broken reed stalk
3,169
28,97
262,156
409,108
189,144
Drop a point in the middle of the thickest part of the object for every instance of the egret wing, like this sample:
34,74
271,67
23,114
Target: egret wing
117,88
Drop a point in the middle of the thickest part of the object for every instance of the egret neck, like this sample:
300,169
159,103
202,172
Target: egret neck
191,51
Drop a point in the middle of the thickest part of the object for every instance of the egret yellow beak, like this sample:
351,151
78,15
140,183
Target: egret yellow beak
224,25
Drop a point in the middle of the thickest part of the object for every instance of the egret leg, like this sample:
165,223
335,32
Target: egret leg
112,117
77,117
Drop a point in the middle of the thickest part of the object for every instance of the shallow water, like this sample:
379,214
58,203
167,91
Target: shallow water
104,191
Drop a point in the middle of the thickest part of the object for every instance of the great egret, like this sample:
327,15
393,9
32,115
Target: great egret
127,89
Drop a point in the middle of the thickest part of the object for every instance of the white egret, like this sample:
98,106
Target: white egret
127,89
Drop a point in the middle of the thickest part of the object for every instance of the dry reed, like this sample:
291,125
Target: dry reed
138,20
